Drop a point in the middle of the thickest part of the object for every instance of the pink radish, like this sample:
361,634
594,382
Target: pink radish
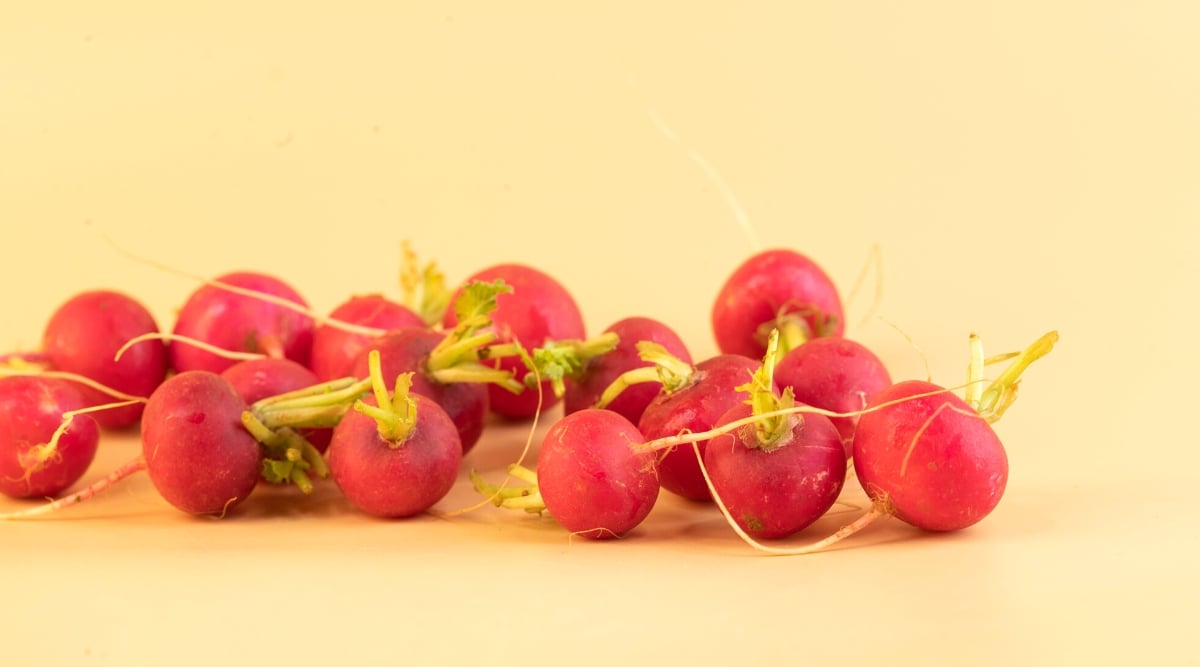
775,289
395,455
783,473
205,449
589,477
83,337
597,374
198,455
538,309
238,322
921,453
258,379
335,349
448,367
42,453
836,374
701,395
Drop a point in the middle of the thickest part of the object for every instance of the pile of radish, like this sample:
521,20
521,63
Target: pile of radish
251,386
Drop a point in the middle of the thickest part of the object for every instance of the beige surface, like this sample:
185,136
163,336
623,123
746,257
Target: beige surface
1021,167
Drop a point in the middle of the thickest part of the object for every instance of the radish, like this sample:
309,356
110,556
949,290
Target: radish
335,350
781,474
587,388
836,374
232,320
447,366
394,455
44,446
920,452
409,351
692,400
258,379
931,458
205,449
197,453
83,337
772,289
589,477
538,309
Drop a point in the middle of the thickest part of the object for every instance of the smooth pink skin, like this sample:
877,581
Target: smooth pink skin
31,409
241,323
83,337
694,408
334,351
391,480
591,480
537,310
835,374
949,477
601,371
256,379
766,284
198,455
777,493
407,350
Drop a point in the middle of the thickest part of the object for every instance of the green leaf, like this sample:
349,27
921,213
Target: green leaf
478,299
277,472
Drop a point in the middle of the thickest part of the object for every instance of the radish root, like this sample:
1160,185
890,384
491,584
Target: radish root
87,492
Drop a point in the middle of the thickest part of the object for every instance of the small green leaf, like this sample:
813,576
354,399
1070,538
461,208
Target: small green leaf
478,299
277,472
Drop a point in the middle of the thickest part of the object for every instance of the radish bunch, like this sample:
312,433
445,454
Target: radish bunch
384,398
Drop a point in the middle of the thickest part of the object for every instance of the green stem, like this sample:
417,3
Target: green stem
673,372
326,417
527,498
324,389
625,380
478,373
501,350
1002,392
769,431
396,415
452,351
793,332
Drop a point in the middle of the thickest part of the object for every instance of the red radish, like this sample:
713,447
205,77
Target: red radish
257,379
446,366
199,456
242,323
538,309
932,458
83,337
921,453
589,476
601,371
783,473
205,448
935,461
395,456
775,289
707,393
836,374
41,453
335,349
408,351
591,480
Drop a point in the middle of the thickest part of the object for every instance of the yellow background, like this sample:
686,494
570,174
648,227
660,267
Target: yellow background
1021,167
